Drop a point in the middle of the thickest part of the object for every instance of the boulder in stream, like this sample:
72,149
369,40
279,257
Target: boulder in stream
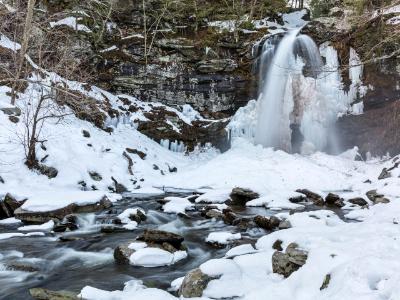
8,206
194,283
43,294
314,197
240,196
153,236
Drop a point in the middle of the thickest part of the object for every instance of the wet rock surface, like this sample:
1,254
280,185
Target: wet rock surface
43,294
240,196
194,283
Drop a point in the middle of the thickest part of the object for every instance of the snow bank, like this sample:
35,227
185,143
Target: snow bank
177,205
155,257
222,237
43,227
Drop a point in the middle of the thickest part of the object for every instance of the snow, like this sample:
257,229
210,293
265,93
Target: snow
213,196
48,200
124,217
48,226
177,205
9,221
5,42
4,236
240,250
222,237
71,22
155,257
176,284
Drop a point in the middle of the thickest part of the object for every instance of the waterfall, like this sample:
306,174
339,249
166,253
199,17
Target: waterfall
301,96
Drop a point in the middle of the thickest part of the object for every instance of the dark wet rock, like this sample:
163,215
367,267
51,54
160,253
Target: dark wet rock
334,200
139,153
213,214
69,238
58,214
11,111
138,217
240,196
326,282
384,174
290,261
122,253
358,201
86,133
376,198
8,206
112,229
172,169
298,199
228,216
243,223
168,247
2,180
267,223
159,237
13,119
277,245
314,197
118,187
65,226
43,294
95,176
23,267
194,283
50,172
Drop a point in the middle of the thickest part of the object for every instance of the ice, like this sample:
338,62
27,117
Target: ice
4,236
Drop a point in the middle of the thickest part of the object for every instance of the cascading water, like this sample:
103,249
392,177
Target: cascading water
301,97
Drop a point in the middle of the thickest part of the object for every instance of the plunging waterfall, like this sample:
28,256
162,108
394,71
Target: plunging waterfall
300,97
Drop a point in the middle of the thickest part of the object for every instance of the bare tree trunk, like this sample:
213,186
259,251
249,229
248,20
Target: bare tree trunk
145,32
253,6
24,47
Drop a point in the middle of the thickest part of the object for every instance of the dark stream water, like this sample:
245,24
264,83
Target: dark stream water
74,264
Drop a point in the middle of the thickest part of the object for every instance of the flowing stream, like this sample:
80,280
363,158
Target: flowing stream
87,259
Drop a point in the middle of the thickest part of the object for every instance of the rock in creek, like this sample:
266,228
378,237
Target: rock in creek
8,206
358,201
59,214
290,261
152,236
194,283
122,253
43,294
241,196
334,200
376,198
314,197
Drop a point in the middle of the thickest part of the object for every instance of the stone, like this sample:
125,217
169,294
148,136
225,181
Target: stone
122,253
2,180
277,245
141,154
194,283
8,206
314,197
50,172
358,201
86,133
214,214
376,198
159,237
334,200
11,111
57,215
267,223
298,199
243,223
13,119
118,187
326,282
23,267
384,174
95,176
228,216
290,261
43,294
112,229
240,196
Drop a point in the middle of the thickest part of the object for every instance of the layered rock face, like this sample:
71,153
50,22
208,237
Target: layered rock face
173,55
